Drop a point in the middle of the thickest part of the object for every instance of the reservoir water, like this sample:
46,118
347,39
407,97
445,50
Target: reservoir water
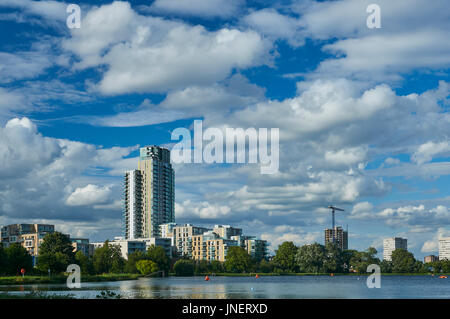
284,287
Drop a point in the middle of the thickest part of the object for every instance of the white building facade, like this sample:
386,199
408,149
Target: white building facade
391,244
444,249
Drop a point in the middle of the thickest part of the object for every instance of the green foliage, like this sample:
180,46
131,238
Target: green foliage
158,255
285,257
108,259
237,260
85,263
360,260
265,266
56,262
202,266
146,267
216,266
57,243
133,258
334,261
440,266
3,261
184,267
403,261
55,253
310,258
16,258
386,266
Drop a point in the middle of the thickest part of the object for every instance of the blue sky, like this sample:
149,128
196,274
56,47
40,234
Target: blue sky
363,113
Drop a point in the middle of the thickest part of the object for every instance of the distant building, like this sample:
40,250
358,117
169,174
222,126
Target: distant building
391,244
181,235
209,246
83,245
165,243
133,205
30,236
149,194
129,246
256,248
430,259
226,231
167,231
340,237
444,249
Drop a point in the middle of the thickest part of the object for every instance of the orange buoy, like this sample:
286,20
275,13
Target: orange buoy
256,276
443,277
206,278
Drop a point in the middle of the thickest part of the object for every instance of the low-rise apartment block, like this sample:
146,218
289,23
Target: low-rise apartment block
444,249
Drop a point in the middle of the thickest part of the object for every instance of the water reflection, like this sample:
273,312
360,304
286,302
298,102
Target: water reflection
284,287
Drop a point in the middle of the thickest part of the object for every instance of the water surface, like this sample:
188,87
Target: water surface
285,287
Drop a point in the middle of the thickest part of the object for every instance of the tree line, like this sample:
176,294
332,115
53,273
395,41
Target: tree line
56,253
317,258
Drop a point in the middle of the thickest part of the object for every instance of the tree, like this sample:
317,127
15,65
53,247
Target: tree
386,266
360,260
3,261
133,258
158,255
55,253
202,266
237,260
310,258
334,261
285,257
85,263
265,266
184,267
108,259
216,266
403,261
146,267
17,257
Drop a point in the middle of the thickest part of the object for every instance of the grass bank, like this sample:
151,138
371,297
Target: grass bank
35,295
27,280
314,274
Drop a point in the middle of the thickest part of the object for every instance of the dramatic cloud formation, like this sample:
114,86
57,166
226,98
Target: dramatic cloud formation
362,113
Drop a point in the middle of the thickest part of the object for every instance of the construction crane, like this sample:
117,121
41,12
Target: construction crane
333,209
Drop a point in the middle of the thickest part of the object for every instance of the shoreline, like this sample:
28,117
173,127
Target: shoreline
18,280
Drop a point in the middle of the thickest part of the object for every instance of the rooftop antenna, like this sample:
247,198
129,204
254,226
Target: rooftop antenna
333,209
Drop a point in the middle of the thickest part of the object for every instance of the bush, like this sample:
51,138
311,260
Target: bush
146,267
184,267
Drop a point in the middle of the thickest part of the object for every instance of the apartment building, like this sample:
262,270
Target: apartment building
340,237
209,246
83,245
444,249
182,233
149,194
430,259
226,231
30,236
391,244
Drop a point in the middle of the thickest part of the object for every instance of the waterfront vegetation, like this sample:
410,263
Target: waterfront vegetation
107,263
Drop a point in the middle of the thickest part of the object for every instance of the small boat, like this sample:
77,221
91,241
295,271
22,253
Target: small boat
443,277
